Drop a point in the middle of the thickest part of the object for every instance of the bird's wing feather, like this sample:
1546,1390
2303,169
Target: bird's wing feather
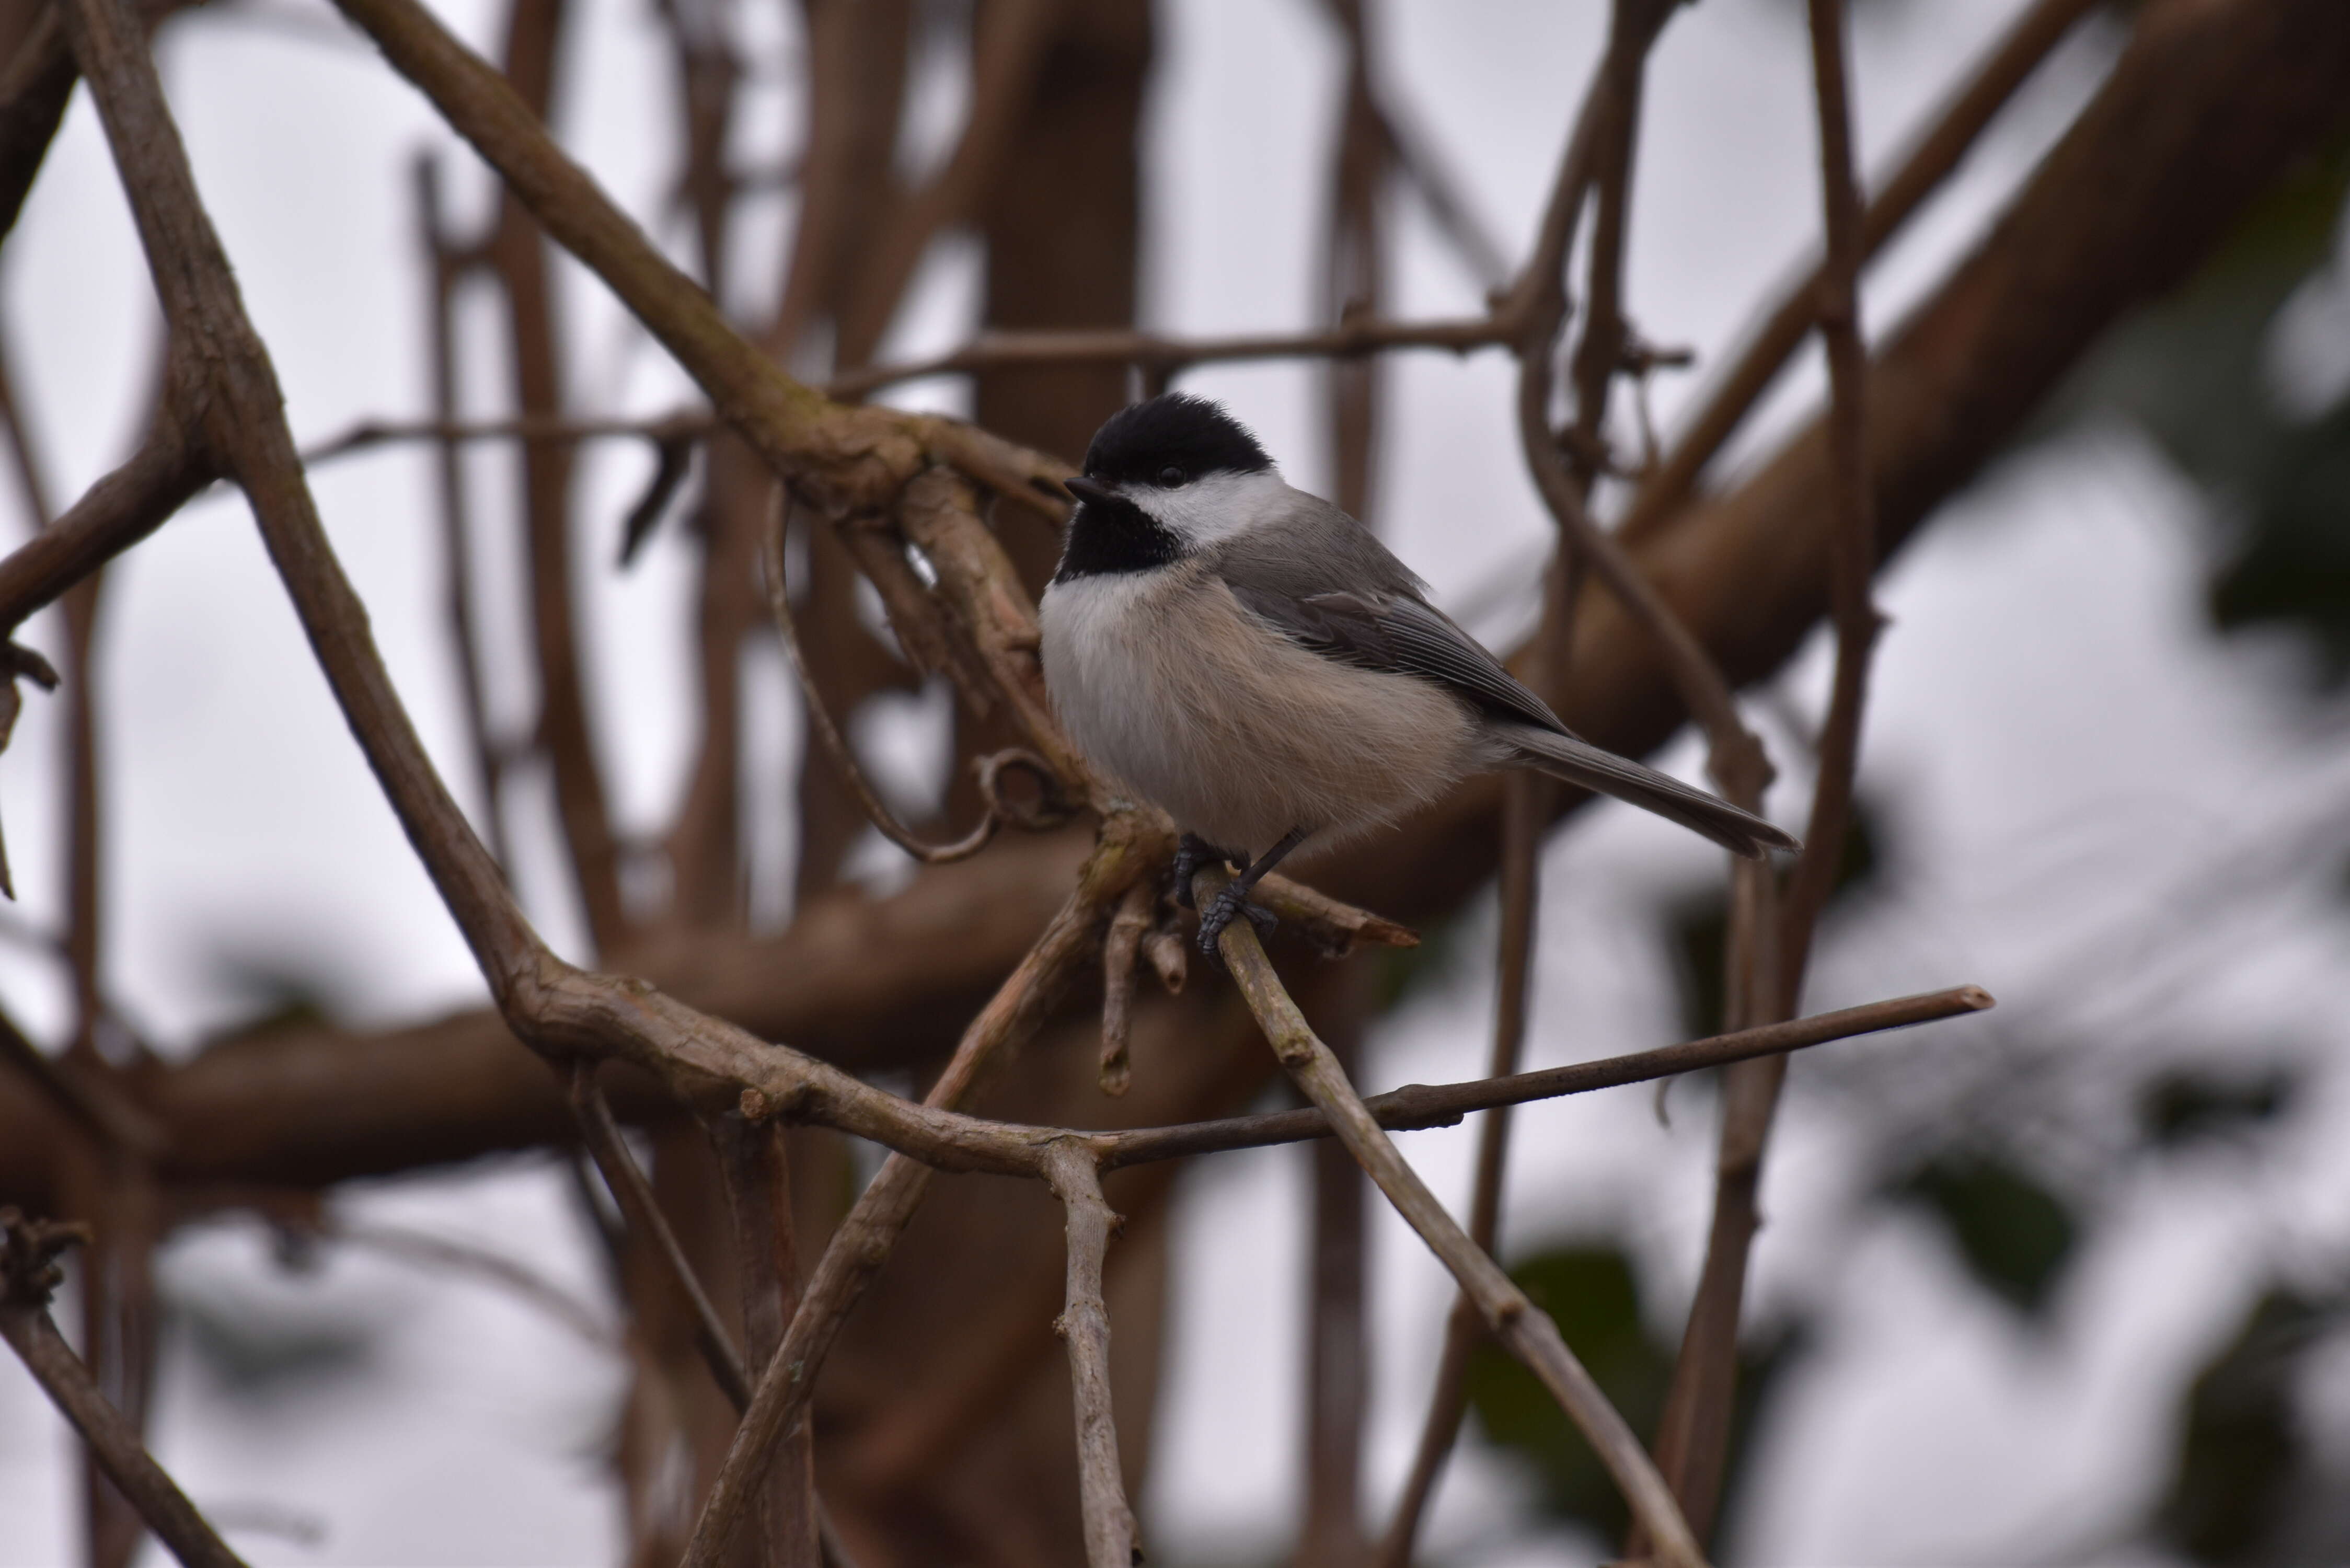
1398,633
1324,581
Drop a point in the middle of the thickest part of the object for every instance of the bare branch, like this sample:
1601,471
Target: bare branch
1128,851
1529,1334
1112,1539
442,267
35,86
1421,1106
642,1213
1693,1437
1008,49
1439,187
29,1272
1120,948
517,258
1930,161
819,717
1539,304
95,1101
843,459
1523,812
118,512
1162,355
757,1171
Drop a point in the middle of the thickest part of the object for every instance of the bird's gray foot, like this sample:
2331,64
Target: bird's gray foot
1191,852
1231,902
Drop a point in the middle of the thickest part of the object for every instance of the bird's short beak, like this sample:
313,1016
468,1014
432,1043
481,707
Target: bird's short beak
1084,489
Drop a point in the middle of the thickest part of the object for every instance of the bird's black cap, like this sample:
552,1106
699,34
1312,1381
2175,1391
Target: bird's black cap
1173,429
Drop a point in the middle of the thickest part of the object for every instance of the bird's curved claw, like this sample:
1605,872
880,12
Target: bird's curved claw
1231,903
1191,852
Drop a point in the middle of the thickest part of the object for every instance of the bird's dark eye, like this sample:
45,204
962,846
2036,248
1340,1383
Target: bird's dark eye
1171,476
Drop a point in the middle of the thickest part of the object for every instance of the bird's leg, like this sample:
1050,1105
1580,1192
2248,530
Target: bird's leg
1234,899
1191,852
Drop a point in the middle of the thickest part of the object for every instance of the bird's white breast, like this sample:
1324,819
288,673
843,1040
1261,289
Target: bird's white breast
1170,687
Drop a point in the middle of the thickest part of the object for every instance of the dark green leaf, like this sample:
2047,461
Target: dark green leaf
2190,373
2013,1233
2183,1107
260,1354
1592,1294
2241,1452
1399,973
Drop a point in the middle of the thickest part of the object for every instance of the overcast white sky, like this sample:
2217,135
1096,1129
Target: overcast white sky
2062,747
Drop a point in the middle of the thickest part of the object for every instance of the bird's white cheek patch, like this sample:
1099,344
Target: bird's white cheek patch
1216,508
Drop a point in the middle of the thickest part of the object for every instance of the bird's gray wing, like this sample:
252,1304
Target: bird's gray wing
1326,582
1399,633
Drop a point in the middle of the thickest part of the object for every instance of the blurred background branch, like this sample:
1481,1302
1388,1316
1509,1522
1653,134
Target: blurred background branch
972,220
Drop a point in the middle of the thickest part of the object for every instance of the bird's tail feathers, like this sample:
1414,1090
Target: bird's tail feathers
1580,763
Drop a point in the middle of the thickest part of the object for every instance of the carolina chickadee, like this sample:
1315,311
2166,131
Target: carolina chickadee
1255,661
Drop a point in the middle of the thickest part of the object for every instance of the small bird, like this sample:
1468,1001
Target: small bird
1253,660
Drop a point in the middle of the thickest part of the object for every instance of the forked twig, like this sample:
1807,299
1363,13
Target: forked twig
1120,857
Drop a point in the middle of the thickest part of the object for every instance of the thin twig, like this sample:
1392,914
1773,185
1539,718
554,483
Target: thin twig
1527,1333
29,1272
1735,756
1930,160
1008,48
1112,1539
34,87
368,434
1120,948
1694,1434
1852,560
1432,178
640,1209
170,466
1163,355
1354,271
1122,857
1421,1106
1523,814
443,269
564,732
1527,799
819,717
